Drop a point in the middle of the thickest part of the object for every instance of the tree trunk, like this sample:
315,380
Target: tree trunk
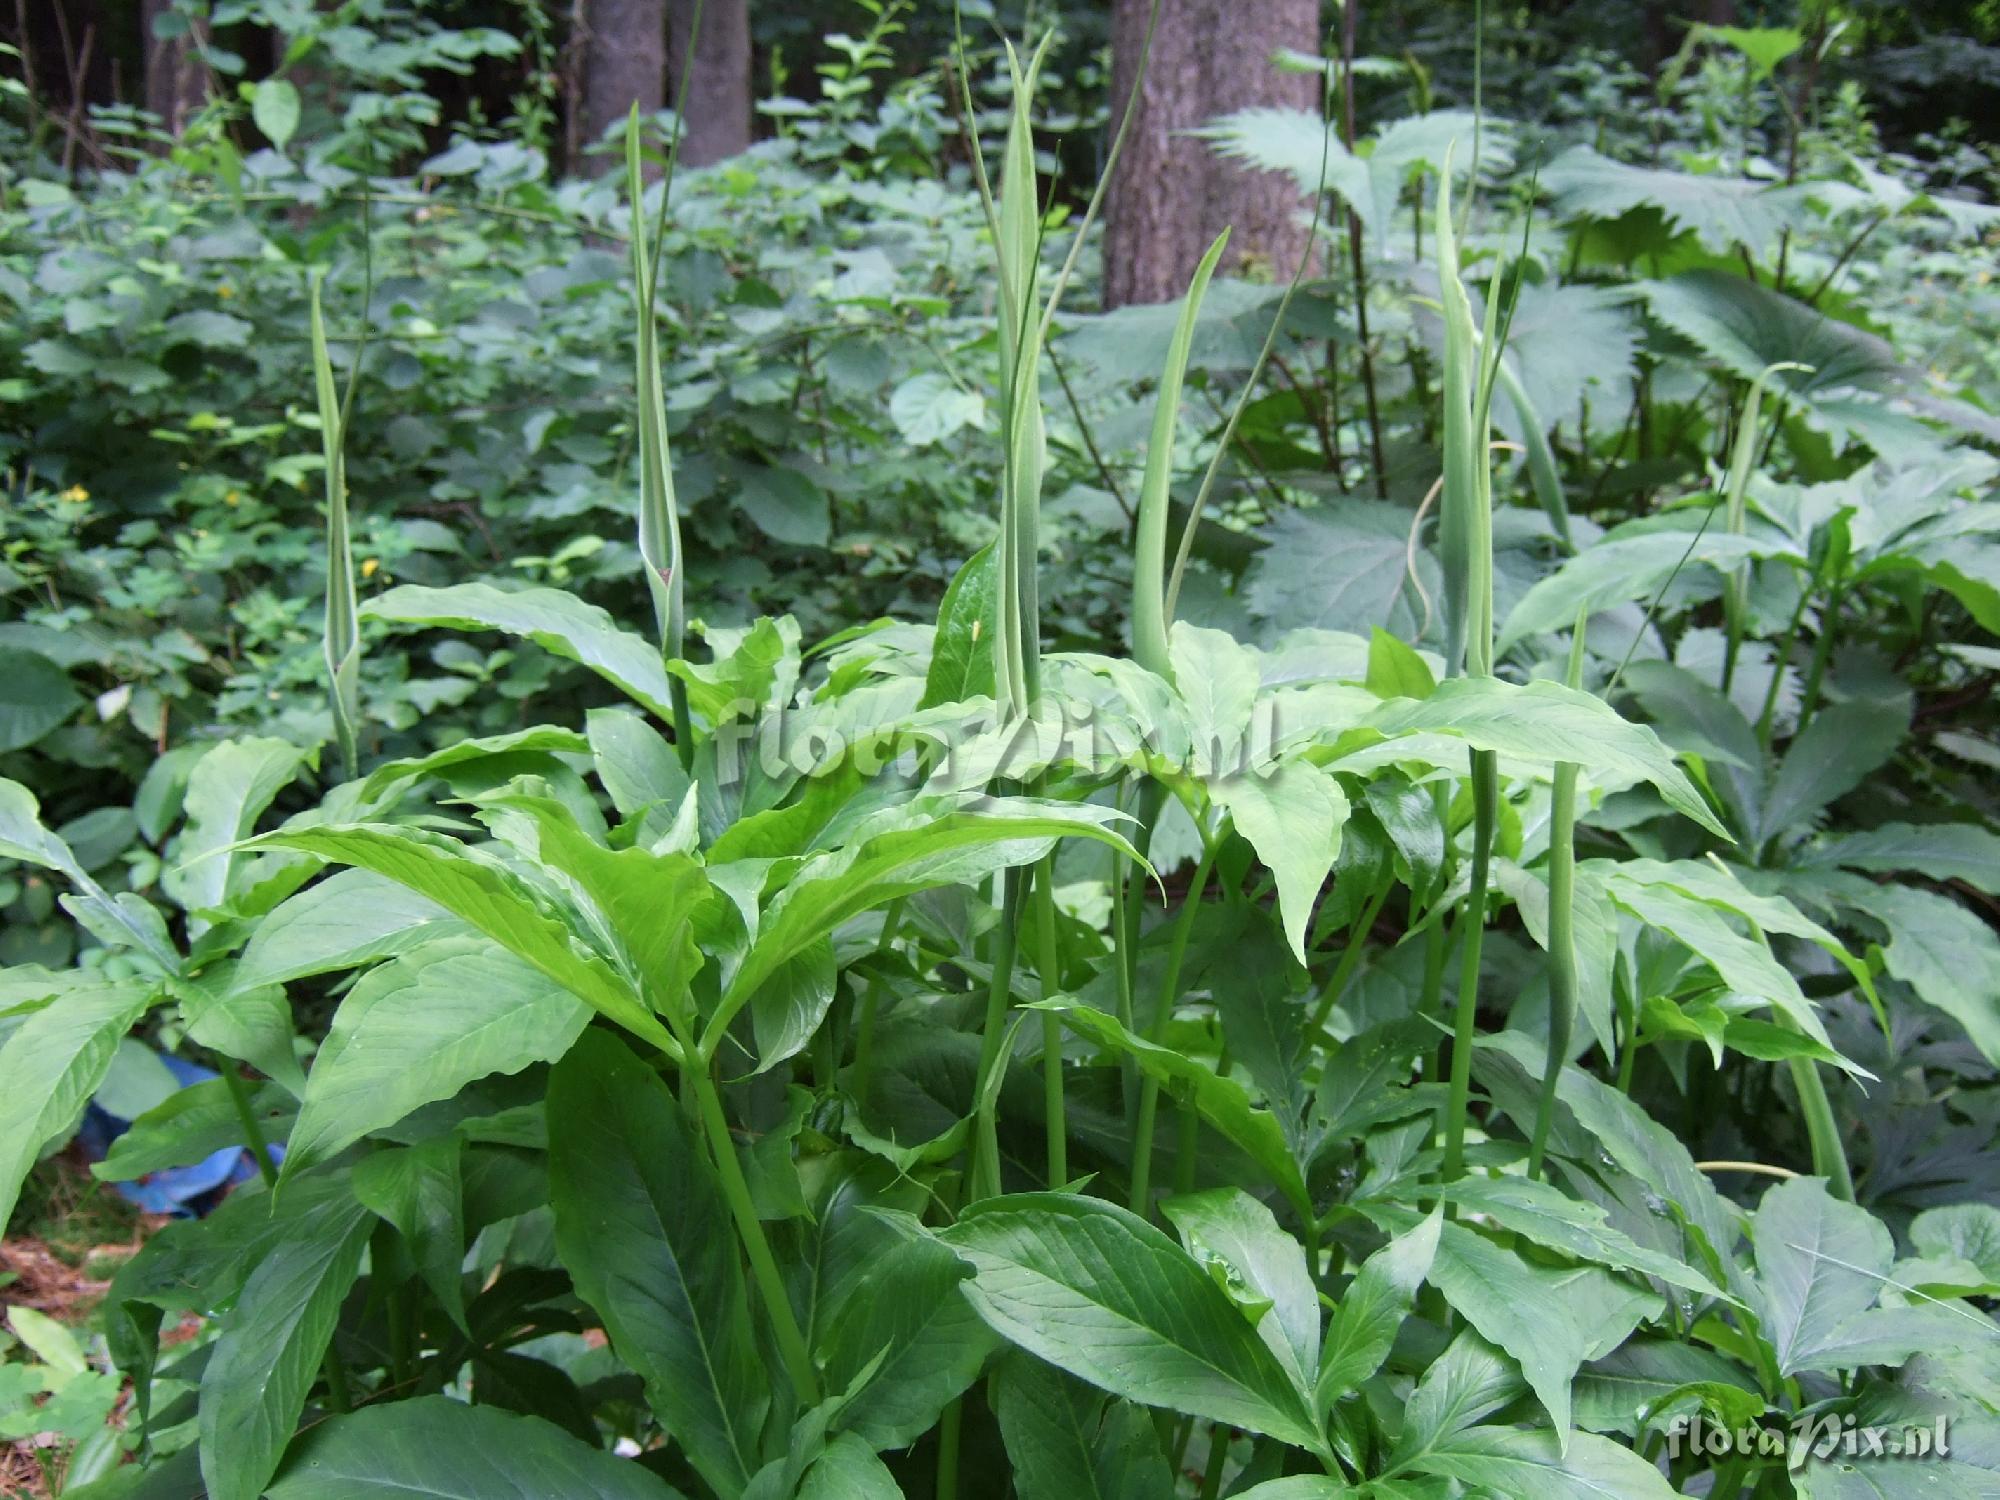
176,79
624,61
1170,195
715,115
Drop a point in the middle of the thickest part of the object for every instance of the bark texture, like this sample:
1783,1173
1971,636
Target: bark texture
1170,195
624,60
716,111
176,80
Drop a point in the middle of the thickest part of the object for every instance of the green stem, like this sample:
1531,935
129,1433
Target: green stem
1628,1054
246,1116
1055,1114
949,1426
1485,813
750,1229
999,992
1829,626
1163,1009
1829,1159
1562,953
1357,943
1211,1470
683,722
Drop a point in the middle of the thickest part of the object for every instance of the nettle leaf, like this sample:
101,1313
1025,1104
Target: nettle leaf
1344,566
417,1030
1373,1309
1747,327
643,1229
52,1062
437,1448
1941,950
1546,722
1721,212
1228,1223
1066,1441
1099,1292
1822,1265
557,621
930,407
1549,1321
254,1386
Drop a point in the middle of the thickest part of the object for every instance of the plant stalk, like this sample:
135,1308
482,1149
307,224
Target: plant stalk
1163,1008
1485,810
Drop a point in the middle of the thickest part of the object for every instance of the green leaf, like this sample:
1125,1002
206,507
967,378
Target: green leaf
903,1314
227,790
930,842
1623,570
124,921
420,1191
788,1007
1842,745
1376,1303
190,1125
784,504
52,1063
396,774
492,899
930,407
1229,1224
269,1354
1944,952
1549,1321
1721,212
1821,1267
1539,1212
275,108
556,621
1509,1461
1223,1102
636,764
435,1448
35,697
1966,1231
849,1470
1544,721
1292,818
352,918
1468,1382
1748,327
1396,670
1099,1292
417,1030
1343,565
962,649
1066,1441
1937,851
643,1229
1637,1143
